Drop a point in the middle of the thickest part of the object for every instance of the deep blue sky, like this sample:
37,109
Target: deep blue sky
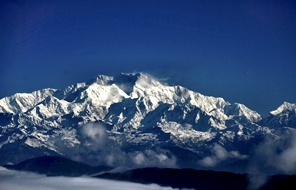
243,51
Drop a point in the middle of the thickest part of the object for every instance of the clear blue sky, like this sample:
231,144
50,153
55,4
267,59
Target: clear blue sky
243,51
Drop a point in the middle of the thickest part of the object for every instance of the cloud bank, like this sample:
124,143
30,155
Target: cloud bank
150,158
276,156
273,156
219,154
28,181
97,148
95,135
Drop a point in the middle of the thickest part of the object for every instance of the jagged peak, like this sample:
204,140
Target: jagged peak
145,80
126,77
21,102
126,81
241,107
136,85
241,110
286,106
105,79
101,79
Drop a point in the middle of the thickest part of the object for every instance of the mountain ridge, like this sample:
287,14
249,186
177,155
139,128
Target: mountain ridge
57,166
132,113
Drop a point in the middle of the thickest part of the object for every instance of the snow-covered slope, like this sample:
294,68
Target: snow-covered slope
285,108
109,119
283,116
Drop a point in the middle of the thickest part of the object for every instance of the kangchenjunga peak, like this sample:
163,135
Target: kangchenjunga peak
136,120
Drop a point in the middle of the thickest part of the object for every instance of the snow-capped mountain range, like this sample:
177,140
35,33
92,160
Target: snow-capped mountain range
133,119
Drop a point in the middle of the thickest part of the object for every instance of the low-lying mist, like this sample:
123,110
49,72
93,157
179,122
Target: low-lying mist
14,180
96,148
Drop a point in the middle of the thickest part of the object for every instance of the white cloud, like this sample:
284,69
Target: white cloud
27,181
273,156
96,148
139,159
276,154
150,158
219,154
209,161
286,161
96,134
